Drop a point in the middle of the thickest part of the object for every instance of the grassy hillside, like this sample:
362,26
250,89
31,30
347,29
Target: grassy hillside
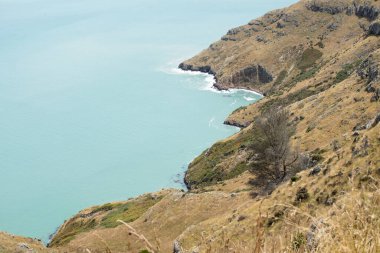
320,61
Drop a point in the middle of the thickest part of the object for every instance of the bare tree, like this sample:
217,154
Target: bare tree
273,155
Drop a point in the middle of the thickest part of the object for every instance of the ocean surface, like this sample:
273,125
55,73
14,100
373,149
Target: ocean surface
92,107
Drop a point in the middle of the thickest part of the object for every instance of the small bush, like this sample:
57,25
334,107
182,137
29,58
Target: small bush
345,72
299,240
316,155
302,195
295,178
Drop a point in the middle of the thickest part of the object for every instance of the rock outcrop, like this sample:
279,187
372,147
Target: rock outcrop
362,9
367,11
326,6
255,74
252,56
369,70
203,69
374,28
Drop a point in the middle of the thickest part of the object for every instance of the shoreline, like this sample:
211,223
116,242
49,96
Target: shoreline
212,88
215,86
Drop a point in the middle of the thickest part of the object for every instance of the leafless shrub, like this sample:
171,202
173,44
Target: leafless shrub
274,157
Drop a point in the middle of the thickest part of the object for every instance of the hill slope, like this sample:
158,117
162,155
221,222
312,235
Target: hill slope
318,59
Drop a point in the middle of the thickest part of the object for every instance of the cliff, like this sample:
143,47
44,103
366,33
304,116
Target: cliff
319,60
267,53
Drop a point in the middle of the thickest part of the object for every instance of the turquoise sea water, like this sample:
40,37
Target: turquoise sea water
92,109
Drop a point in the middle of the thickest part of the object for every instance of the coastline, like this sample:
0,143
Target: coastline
215,85
221,209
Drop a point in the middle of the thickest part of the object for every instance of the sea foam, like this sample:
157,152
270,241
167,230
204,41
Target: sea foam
209,82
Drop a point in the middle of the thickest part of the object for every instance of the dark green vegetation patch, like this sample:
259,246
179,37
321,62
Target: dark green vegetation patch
207,169
309,58
346,71
280,77
127,212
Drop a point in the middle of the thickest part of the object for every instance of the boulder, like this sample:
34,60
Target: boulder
374,29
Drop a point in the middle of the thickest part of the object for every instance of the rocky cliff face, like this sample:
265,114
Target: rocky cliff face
270,51
366,10
253,74
330,7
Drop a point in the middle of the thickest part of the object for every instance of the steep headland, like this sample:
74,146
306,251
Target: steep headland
318,59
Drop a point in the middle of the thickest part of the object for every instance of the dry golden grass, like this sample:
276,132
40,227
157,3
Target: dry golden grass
341,213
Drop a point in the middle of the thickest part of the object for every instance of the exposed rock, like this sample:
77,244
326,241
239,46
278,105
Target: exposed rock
332,26
311,236
335,145
261,38
228,38
374,29
369,71
372,123
203,69
315,171
235,123
326,7
273,16
177,247
233,31
279,33
252,75
280,25
330,201
256,22
335,7
254,29
376,95
366,11
24,248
